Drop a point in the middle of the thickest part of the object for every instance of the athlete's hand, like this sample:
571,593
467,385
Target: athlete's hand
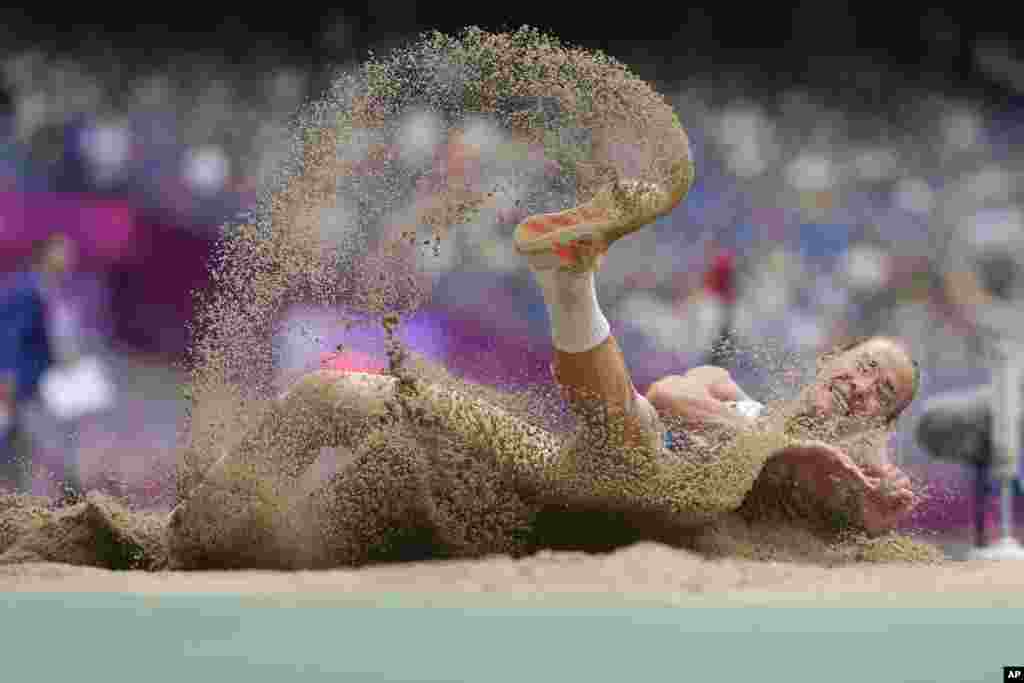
879,496
700,396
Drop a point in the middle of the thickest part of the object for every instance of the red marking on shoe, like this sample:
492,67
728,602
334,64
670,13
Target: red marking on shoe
567,253
562,220
538,225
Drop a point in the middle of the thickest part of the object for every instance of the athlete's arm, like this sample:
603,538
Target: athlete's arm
868,449
703,394
878,497
871,453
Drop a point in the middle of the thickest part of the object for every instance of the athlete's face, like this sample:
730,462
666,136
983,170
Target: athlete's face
59,257
867,384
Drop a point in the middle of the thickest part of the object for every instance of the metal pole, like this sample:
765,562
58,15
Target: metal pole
1006,507
981,479
1010,446
1006,417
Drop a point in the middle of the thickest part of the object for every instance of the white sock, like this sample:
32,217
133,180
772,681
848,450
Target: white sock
577,323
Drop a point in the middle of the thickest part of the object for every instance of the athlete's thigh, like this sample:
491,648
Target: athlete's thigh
378,506
624,447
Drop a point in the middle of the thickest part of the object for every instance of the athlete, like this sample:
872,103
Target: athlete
687,452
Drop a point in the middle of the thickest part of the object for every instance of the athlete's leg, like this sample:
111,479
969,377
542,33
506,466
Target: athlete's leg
377,508
419,495
241,512
618,457
618,442
238,505
564,251
250,509
612,417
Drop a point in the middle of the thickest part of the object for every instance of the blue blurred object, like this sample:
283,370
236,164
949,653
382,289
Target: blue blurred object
823,242
26,354
26,351
17,172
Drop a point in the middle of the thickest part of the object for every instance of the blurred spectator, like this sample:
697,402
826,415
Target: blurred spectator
720,283
27,352
8,174
6,110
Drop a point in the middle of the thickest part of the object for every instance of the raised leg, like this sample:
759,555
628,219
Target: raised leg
618,457
619,437
616,450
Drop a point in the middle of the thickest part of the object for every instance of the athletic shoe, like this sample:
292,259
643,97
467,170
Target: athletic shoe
577,239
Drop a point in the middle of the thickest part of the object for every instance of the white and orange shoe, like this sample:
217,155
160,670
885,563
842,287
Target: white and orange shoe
576,239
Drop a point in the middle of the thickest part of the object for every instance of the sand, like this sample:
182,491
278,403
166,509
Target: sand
645,572
342,152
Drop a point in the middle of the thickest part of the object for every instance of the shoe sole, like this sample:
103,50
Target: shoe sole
616,211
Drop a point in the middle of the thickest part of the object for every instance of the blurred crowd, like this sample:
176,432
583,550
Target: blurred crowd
812,220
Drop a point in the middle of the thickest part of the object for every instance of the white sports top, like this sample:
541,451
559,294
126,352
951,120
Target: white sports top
747,408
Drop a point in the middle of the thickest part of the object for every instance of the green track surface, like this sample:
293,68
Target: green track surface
222,637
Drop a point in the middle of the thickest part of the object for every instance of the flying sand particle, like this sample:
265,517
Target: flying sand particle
411,489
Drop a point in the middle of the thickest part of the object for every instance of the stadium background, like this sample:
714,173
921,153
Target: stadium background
840,151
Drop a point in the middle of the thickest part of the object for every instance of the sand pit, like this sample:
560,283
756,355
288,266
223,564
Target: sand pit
557,616
458,499
645,573
97,532
521,125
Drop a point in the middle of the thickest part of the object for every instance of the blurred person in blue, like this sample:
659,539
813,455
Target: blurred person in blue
27,352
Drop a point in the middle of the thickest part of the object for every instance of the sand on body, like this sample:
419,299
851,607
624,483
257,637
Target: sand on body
409,491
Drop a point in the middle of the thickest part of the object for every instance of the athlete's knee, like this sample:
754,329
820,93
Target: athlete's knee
641,425
348,395
646,414
660,391
335,384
